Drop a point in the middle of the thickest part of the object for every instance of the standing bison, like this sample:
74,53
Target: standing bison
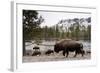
69,46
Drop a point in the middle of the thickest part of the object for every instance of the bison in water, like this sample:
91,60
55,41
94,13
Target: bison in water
69,46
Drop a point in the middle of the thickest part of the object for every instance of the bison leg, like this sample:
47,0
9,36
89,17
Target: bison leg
63,52
67,53
75,53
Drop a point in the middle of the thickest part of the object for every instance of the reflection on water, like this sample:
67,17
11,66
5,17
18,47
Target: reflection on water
86,45
45,45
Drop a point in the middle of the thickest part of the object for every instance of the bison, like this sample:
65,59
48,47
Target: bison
88,52
49,51
35,53
36,48
69,46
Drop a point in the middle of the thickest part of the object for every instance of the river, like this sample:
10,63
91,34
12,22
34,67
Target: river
45,45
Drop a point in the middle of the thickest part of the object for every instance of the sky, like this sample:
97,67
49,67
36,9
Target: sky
52,18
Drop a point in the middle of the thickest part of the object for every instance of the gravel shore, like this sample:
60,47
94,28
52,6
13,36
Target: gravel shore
55,57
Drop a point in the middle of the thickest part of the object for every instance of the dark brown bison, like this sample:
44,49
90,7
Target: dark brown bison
69,46
36,48
48,52
35,53
88,52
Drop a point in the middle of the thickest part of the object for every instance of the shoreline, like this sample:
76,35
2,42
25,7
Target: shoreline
54,57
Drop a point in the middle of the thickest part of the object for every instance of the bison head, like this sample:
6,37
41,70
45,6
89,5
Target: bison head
56,48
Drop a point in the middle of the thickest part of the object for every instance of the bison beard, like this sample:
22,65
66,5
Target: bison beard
69,46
